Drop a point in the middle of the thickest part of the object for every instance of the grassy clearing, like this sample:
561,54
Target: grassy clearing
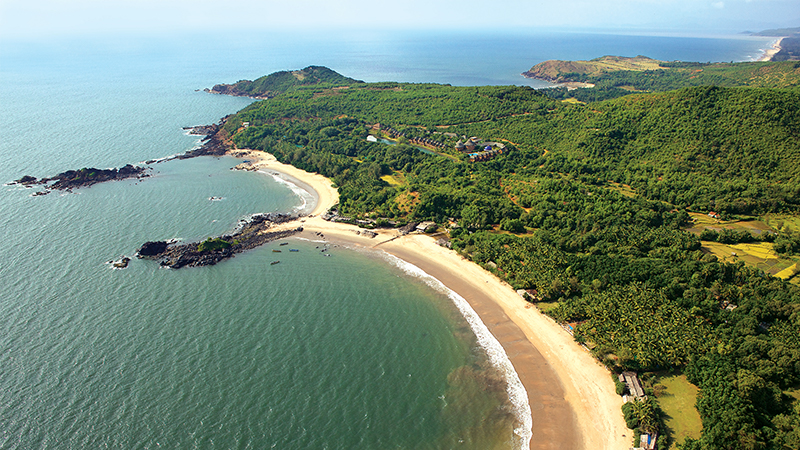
760,255
677,400
546,306
407,201
623,189
700,219
751,225
395,179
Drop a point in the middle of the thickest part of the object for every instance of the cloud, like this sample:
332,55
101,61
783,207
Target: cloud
718,5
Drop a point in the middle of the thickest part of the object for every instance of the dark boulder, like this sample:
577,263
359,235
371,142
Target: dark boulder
153,248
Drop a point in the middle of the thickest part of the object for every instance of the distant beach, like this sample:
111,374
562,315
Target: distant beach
772,51
571,395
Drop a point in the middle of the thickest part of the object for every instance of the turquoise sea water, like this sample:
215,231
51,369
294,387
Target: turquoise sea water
347,351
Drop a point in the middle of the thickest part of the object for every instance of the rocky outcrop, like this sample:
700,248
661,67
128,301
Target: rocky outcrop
249,234
73,179
152,248
216,142
121,263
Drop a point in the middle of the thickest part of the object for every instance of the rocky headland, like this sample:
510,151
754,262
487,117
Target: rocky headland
277,83
248,235
557,71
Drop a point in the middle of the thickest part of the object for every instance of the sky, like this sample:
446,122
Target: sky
27,19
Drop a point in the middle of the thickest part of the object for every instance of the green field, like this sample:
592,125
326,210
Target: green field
677,400
760,255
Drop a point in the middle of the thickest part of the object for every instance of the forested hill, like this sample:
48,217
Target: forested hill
616,76
591,206
279,82
734,150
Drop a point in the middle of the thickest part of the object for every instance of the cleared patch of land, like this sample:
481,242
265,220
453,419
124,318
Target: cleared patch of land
395,179
677,400
761,255
623,189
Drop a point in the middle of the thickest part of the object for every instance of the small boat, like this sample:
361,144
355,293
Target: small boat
284,243
273,263
293,250
276,251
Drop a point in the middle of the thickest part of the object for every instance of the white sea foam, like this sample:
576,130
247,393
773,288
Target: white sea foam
497,355
316,241
308,199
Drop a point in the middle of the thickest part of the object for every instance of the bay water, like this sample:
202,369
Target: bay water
346,351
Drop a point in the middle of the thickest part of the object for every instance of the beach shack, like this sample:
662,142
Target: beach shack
424,226
648,441
634,387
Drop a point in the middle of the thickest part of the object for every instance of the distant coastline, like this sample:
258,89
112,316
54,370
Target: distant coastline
770,53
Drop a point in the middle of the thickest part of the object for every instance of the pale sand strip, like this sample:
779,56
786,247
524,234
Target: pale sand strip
571,394
768,54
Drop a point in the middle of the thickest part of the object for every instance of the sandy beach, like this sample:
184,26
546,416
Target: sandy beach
572,397
768,54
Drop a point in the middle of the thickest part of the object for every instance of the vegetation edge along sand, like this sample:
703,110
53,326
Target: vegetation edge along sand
572,396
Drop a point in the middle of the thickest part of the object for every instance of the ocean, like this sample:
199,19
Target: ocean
355,350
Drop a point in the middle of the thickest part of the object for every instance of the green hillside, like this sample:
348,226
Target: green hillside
279,82
591,206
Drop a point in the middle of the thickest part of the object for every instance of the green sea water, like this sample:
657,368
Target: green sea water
340,351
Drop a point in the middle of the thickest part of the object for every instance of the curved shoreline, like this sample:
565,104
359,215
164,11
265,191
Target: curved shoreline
571,395
518,395
772,51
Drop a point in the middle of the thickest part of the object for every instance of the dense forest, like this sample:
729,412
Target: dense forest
548,215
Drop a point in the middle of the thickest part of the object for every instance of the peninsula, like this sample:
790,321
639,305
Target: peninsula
252,233
611,217
610,77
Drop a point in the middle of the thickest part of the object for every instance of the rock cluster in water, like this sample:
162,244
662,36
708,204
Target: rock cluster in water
73,179
215,143
250,234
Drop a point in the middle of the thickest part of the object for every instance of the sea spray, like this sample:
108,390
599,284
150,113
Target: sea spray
517,394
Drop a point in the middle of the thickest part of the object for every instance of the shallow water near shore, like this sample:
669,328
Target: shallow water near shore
340,351
345,351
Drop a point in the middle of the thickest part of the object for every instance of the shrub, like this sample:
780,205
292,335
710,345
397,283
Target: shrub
215,244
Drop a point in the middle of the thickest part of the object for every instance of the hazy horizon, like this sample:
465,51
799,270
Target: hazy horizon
54,18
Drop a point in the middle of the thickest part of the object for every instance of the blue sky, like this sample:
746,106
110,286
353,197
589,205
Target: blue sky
47,18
